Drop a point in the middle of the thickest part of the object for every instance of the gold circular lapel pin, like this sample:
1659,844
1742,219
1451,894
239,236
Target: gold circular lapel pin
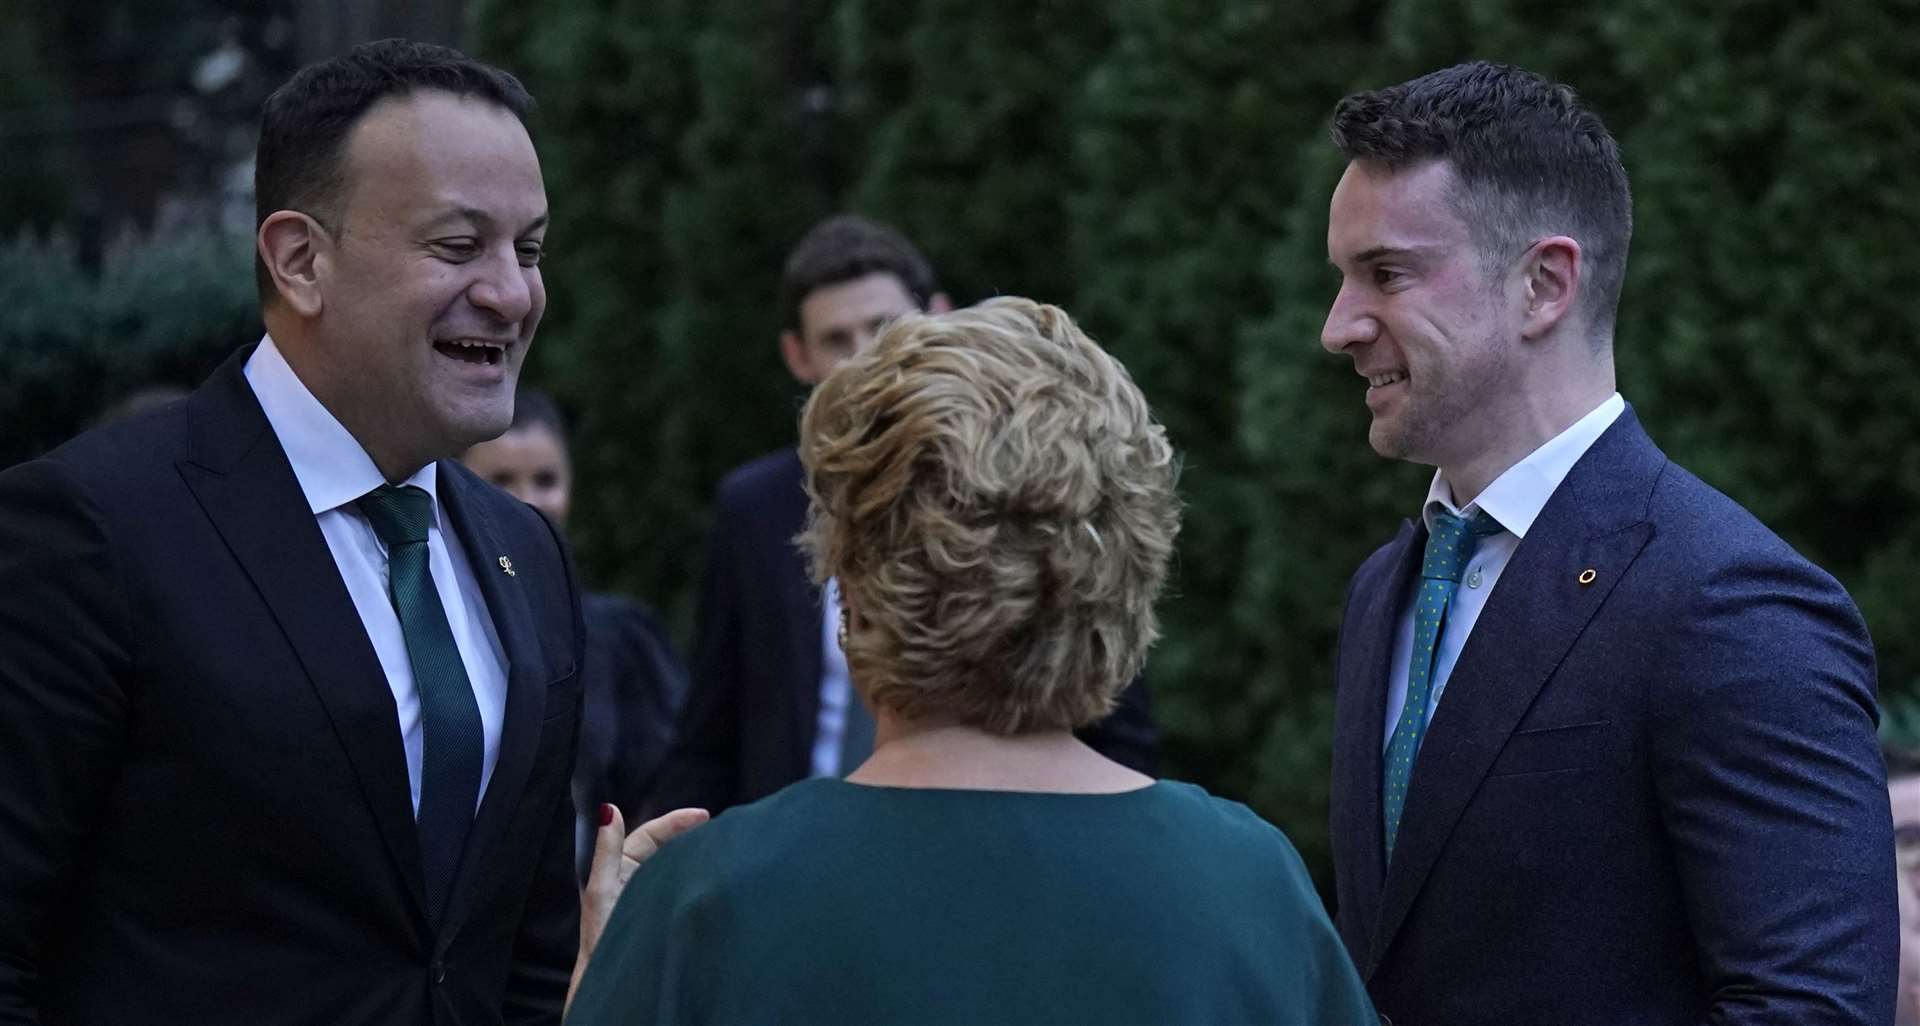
1587,576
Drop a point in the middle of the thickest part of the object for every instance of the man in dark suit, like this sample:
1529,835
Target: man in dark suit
287,699
770,702
1604,745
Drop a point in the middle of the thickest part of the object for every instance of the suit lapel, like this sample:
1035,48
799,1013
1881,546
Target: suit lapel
1361,709
485,544
240,476
1596,520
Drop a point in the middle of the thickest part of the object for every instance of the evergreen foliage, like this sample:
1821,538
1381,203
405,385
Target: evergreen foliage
75,340
1160,168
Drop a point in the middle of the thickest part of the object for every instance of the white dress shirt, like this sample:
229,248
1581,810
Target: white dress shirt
1514,500
836,687
334,470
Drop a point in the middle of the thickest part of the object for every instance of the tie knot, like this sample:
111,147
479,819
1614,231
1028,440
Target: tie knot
398,515
1452,541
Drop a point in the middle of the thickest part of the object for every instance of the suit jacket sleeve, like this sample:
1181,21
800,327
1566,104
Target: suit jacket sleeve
1773,793
549,938
549,931
64,664
703,769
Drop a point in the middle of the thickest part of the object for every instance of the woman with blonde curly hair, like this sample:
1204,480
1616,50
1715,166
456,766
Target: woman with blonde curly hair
998,507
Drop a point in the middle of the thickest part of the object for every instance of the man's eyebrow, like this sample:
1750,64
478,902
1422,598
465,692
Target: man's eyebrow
1367,256
1373,253
458,214
479,219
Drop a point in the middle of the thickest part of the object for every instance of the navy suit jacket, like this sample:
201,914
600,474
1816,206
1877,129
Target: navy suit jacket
204,811
747,728
1654,798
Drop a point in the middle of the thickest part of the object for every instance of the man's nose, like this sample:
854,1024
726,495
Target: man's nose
505,288
1348,322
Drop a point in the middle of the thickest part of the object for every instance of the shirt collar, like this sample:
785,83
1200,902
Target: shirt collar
1515,498
332,467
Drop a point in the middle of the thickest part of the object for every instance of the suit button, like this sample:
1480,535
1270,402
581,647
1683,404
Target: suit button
439,972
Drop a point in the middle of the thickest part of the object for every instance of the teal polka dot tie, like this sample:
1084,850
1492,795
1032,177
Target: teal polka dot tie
452,745
1448,549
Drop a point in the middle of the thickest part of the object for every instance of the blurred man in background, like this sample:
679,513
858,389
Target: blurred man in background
770,703
287,698
632,682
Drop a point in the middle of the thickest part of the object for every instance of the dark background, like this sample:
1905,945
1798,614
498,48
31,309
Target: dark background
1158,167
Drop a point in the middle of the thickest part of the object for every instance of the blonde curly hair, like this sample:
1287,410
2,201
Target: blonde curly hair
998,503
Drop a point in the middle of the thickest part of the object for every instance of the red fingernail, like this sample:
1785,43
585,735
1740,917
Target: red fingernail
606,813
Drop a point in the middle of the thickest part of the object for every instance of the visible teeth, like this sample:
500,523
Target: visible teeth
482,350
1381,380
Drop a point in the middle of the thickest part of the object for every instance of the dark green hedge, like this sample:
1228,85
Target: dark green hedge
1160,168
75,340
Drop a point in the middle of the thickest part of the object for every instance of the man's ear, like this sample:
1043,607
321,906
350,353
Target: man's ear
1553,268
938,303
799,363
297,252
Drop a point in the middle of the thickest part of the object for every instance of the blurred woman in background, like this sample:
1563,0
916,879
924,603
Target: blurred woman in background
632,682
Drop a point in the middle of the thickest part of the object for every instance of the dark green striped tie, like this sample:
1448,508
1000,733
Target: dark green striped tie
452,742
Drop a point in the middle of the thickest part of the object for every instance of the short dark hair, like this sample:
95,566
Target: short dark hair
1530,158
305,124
533,408
845,247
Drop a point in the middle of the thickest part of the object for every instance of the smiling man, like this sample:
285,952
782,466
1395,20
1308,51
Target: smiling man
288,699
1604,745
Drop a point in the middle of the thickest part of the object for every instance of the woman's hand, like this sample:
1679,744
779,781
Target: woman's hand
616,854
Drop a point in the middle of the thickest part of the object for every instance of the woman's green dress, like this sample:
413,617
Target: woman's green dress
833,902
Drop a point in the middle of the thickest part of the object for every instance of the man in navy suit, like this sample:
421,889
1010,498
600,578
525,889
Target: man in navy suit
1604,745
769,702
288,699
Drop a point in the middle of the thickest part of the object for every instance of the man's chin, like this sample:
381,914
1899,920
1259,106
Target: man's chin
1387,440
473,423
466,436
1393,441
